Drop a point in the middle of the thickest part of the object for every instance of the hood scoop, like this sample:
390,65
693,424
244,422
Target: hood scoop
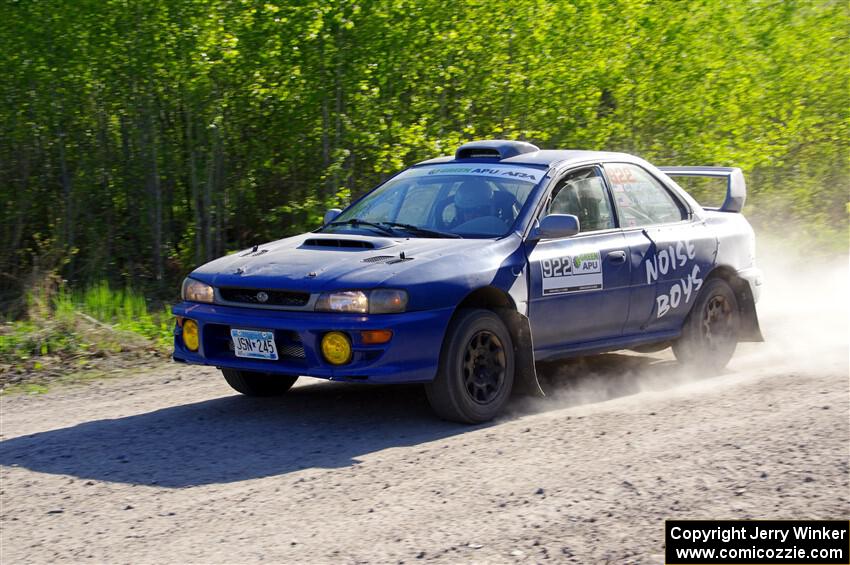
346,243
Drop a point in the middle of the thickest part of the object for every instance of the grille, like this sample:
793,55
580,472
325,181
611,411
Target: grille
289,345
275,297
294,351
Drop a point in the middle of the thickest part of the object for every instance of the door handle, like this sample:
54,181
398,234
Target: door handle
617,256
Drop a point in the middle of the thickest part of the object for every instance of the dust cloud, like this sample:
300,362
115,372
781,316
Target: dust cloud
804,313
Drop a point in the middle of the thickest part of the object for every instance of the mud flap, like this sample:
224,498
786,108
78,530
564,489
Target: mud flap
525,373
750,329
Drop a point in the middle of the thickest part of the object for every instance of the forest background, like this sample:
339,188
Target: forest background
139,139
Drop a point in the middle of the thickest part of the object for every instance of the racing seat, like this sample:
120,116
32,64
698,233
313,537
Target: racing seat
567,202
588,211
480,194
583,198
505,206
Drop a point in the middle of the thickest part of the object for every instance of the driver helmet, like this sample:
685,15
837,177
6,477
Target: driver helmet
474,197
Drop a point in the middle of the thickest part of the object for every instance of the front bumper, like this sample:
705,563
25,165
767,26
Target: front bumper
412,355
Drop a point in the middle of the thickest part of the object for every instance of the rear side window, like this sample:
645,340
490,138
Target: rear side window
641,200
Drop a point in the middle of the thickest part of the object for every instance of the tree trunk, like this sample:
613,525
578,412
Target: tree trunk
193,183
67,198
154,190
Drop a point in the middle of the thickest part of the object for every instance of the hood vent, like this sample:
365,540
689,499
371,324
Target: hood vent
255,253
379,259
387,259
339,243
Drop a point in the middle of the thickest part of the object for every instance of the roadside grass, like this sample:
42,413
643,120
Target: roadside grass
73,335
126,310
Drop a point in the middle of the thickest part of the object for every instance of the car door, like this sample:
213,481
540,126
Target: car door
579,285
670,252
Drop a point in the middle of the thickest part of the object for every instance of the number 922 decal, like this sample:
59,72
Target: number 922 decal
575,273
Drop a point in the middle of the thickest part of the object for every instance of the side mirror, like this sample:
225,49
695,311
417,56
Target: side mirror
555,226
330,215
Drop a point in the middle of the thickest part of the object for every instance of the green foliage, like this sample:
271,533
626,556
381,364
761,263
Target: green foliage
26,340
153,136
80,327
125,310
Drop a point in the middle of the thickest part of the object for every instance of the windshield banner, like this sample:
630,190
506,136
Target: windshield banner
501,171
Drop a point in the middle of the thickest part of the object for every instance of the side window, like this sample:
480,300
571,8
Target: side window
582,193
641,200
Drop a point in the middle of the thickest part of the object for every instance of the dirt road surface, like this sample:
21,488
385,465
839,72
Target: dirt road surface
171,466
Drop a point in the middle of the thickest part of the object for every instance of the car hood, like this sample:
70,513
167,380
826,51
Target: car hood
319,262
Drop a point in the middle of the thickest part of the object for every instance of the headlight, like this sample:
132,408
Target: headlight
196,291
387,301
380,301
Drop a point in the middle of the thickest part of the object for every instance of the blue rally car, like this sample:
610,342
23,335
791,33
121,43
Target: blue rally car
461,272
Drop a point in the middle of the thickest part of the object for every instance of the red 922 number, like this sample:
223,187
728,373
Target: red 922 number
622,175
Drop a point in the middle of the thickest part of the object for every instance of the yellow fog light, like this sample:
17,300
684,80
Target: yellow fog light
336,347
191,336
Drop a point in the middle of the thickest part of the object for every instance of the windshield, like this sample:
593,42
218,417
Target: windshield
449,200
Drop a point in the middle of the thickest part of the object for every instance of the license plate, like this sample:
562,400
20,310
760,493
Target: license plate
254,344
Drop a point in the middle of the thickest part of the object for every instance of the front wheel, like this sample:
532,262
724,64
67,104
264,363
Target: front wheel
476,371
258,384
710,334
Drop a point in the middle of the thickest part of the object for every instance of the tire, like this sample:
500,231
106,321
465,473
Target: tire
258,384
710,334
476,371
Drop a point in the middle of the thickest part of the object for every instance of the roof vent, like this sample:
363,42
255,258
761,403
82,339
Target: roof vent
494,149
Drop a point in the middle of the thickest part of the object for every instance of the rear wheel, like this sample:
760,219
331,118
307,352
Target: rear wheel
258,384
476,371
710,334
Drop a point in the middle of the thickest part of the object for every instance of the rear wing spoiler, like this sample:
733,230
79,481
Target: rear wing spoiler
736,188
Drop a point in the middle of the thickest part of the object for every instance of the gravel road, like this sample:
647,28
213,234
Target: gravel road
170,466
